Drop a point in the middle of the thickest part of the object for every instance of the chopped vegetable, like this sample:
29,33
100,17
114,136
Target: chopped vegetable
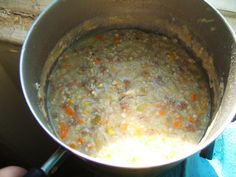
66,66
98,61
81,121
126,83
138,132
116,39
80,140
190,119
161,113
124,127
125,107
177,124
99,37
70,101
96,120
110,131
193,97
63,130
72,145
146,75
69,111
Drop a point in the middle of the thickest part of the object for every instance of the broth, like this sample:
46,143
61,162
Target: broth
129,97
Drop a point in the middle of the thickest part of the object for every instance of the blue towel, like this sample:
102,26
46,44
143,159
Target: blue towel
223,163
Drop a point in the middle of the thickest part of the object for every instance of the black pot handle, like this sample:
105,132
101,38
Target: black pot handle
50,166
36,172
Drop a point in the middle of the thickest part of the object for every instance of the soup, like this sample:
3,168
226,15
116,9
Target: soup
128,97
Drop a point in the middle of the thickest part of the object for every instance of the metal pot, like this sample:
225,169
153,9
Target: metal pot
196,23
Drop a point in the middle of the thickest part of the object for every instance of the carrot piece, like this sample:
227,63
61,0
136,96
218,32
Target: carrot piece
63,130
69,111
72,145
80,140
193,97
116,39
160,113
98,61
81,121
146,75
177,124
190,119
124,127
66,66
99,37
127,83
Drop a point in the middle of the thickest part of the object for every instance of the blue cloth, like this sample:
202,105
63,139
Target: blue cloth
223,163
224,154
194,166
197,166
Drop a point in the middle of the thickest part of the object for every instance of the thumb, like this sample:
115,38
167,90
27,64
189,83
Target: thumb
12,171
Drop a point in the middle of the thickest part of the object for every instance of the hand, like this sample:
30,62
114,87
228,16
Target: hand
12,171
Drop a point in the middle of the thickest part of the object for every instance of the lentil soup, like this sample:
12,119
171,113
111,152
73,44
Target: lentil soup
128,97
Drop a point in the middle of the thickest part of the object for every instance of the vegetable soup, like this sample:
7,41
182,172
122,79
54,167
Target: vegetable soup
129,97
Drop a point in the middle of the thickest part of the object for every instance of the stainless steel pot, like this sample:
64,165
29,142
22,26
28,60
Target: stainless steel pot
194,22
